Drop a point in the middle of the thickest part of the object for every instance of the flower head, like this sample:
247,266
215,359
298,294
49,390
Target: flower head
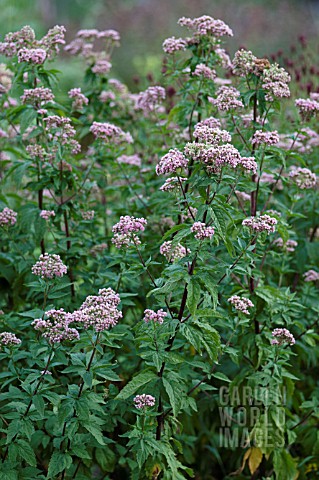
241,303
7,217
125,231
172,45
303,177
49,266
311,276
79,99
228,98
151,99
55,328
173,160
201,231
281,336
99,311
152,316
264,223
143,401
268,138
171,252
110,133
47,214
8,339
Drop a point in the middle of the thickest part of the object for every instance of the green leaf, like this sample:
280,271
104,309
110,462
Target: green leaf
138,381
27,453
97,434
58,462
284,465
193,295
174,393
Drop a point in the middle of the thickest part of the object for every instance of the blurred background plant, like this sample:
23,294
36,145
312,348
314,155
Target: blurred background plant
272,27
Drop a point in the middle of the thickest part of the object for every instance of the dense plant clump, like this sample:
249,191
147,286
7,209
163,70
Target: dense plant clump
159,264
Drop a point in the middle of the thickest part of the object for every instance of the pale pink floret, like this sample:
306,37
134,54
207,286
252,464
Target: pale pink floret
152,316
172,161
55,327
134,160
202,231
210,135
173,184
206,25
9,339
79,99
303,177
288,246
99,311
264,223
47,214
172,45
7,217
249,164
110,133
267,138
49,266
125,231
203,70
37,95
151,99
228,98
143,401
281,336
172,253
37,56
311,276
241,303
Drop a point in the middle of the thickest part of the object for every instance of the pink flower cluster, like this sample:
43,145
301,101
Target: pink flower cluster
36,151
206,25
110,133
249,164
36,56
303,177
172,184
125,230
264,223
143,401
61,131
201,231
37,96
21,41
88,215
243,62
281,336
275,82
210,122
47,214
268,138
288,246
172,45
307,107
311,276
8,339
79,99
152,316
203,70
151,99
228,98
102,67
7,217
55,328
241,303
171,252
49,266
211,135
133,160
99,311
172,161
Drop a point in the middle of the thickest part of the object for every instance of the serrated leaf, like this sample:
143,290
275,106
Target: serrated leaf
193,295
138,381
26,452
58,462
